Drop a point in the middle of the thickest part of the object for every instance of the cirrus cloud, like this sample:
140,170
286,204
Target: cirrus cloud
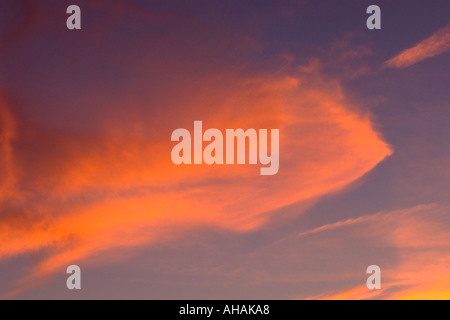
436,44
118,188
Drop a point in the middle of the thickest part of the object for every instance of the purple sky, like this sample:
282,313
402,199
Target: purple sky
85,124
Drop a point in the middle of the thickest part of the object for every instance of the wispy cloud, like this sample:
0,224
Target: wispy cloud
420,237
340,224
432,46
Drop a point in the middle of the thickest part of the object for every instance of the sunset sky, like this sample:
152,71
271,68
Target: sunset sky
86,176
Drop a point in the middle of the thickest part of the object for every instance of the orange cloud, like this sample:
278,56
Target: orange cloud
357,293
432,46
117,187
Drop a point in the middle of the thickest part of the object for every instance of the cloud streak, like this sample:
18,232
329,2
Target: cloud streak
436,44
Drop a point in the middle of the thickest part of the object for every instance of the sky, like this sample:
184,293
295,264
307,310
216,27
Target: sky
86,176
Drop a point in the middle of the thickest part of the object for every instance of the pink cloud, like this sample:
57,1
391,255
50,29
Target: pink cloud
436,44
